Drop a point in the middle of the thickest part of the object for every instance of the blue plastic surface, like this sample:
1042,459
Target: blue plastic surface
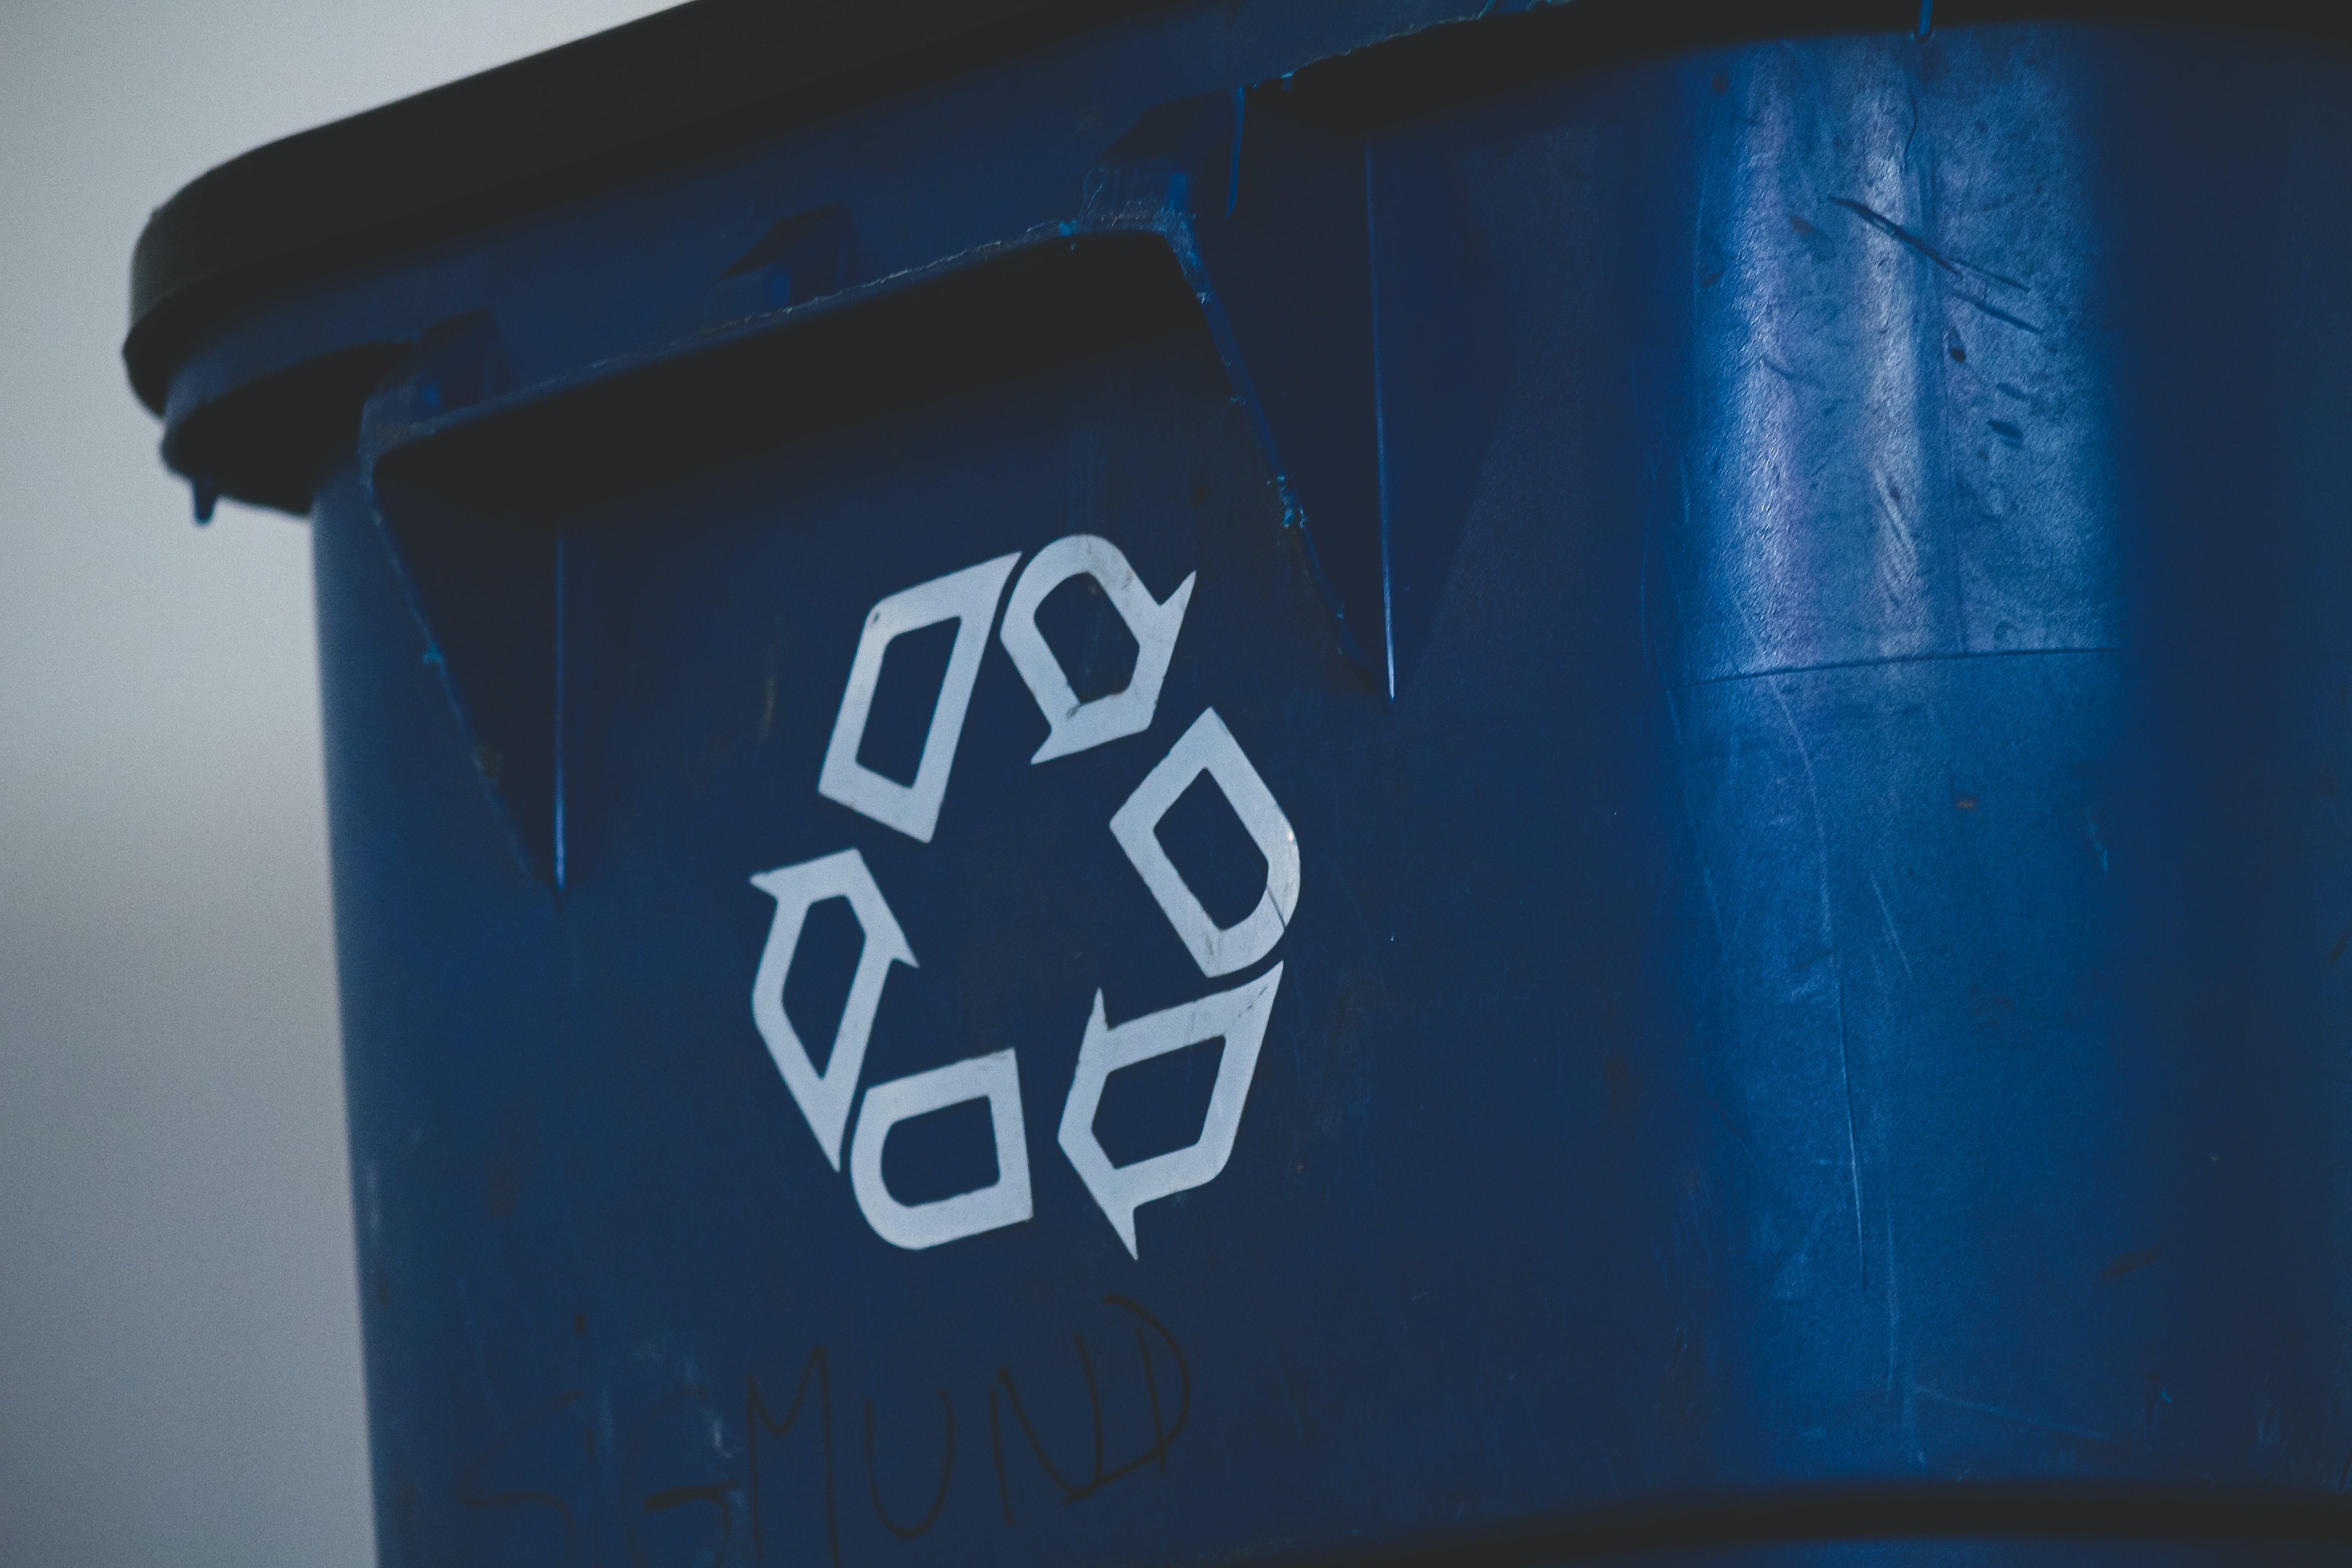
1792,594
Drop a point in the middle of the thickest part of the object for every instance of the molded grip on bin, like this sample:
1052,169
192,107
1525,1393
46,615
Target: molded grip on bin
1371,406
482,583
1266,217
1368,356
804,258
473,500
269,441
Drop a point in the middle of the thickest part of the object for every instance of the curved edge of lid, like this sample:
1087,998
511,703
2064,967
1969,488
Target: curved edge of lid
584,114
687,81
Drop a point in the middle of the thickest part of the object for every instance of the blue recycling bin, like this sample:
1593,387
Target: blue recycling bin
1391,780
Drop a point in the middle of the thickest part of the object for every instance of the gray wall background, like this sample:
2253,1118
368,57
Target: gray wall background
179,1326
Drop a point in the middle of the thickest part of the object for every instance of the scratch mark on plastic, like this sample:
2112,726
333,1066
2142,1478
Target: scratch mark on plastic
1892,936
2130,1261
1998,314
2019,1417
1920,247
1837,977
1729,1125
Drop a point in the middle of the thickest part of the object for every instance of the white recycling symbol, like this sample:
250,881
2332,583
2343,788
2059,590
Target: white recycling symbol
824,1097
1074,726
1238,1016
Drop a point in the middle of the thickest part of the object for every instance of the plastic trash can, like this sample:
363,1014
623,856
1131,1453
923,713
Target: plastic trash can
1350,780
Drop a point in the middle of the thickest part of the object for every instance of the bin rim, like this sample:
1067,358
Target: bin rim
631,100
692,80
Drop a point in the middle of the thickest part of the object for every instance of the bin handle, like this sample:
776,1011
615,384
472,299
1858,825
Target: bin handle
1275,247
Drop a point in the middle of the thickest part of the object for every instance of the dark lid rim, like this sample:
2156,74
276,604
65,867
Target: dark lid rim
691,80
642,96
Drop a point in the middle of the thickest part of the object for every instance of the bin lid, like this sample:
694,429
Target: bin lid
691,80
620,103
